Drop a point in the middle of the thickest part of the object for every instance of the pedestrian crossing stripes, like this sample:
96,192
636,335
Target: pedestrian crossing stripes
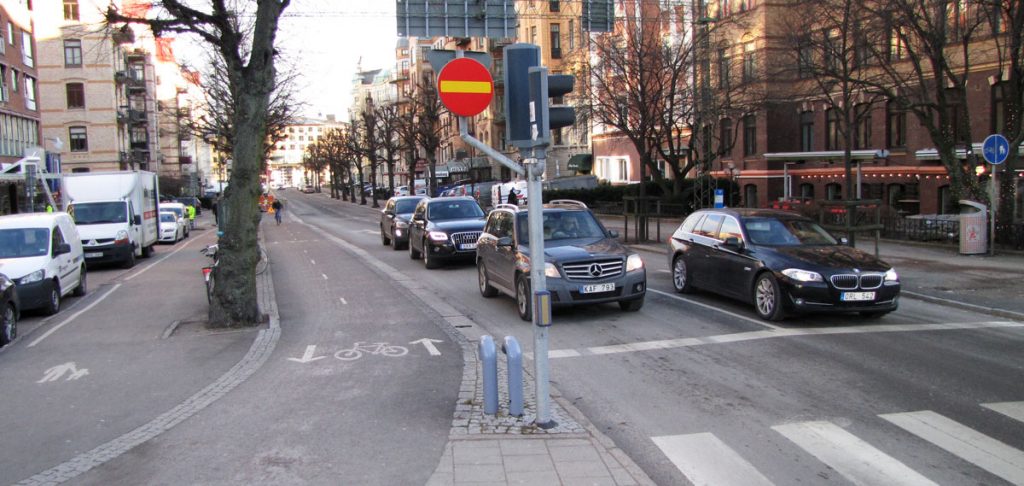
703,458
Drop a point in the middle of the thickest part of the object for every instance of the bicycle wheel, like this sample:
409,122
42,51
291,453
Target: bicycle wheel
349,354
209,288
263,263
395,351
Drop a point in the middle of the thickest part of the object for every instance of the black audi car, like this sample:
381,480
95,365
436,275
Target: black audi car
445,229
394,220
779,261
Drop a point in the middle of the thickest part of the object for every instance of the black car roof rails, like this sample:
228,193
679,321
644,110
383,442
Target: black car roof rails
507,206
567,202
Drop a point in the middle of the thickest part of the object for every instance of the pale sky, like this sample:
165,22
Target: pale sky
325,40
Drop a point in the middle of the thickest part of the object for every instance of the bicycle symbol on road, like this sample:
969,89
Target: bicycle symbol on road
356,351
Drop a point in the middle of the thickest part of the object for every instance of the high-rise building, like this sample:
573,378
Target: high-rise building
19,81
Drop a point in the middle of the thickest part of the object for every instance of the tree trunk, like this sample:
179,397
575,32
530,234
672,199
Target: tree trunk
373,182
431,179
362,184
391,175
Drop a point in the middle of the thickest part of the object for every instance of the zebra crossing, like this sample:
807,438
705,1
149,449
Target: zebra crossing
704,459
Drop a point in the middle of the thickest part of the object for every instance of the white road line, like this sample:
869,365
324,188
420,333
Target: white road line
1014,410
716,309
855,459
664,271
324,275
962,441
770,333
343,301
73,316
706,460
312,261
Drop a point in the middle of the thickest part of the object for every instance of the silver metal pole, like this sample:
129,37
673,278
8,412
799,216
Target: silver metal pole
993,206
785,181
538,283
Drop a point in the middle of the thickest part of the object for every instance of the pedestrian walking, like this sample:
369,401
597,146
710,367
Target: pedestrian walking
191,210
513,199
278,207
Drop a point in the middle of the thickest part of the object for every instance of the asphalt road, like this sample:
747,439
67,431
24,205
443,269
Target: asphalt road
696,388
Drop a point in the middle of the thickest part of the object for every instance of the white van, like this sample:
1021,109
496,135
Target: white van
42,253
116,213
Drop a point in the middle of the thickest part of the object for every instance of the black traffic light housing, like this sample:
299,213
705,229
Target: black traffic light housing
545,117
518,59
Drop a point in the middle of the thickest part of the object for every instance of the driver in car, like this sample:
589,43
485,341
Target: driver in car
568,227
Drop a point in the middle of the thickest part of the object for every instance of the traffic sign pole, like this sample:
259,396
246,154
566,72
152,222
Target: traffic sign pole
995,149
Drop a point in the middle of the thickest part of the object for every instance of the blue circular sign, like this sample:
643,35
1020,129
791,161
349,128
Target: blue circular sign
995,149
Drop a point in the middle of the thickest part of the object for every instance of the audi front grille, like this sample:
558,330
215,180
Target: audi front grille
466,238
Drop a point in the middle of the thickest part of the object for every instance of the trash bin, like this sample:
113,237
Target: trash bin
973,228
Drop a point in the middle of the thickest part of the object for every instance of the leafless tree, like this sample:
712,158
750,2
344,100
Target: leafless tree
429,132
244,41
389,141
315,160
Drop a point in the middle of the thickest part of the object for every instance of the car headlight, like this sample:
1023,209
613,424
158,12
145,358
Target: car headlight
802,275
122,237
32,277
891,276
634,262
438,236
551,271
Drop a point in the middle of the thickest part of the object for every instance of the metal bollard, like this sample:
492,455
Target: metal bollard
489,360
515,376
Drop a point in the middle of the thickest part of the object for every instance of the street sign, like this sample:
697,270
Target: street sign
719,198
995,149
456,18
465,87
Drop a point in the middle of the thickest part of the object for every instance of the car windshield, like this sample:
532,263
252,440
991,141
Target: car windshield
786,232
441,211
168,218
24,242
174,209
564,225
404,206
99,212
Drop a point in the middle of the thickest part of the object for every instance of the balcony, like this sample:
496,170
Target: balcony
185,160
138,116
122,115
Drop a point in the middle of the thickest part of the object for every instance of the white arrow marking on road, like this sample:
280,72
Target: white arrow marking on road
308,357
57,372
429,344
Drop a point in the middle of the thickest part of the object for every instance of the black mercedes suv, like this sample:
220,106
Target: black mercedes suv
583,261
445,228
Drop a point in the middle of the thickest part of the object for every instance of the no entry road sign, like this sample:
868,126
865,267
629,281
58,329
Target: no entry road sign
465,86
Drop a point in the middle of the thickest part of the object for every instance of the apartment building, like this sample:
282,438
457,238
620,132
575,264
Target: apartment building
285,163
19,81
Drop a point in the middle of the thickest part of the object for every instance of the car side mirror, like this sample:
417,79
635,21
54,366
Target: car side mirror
613,234
733,243
62,249
137,220
505,241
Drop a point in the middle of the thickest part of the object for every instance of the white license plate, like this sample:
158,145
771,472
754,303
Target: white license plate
468,246
593,289
857,296
94,255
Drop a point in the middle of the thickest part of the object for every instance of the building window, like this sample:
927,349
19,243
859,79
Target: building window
806,192
3,44
5,95
954,105
30,92
750,196
725,137
78,139
862,133
26,49
70,9
749,135
554,6
804,59
613,169
946,205
749,62
723,69
572,34
533,34
807,131
556,41
832,129
724,7
999,107
10,33
833,192
896,121
76,95
72,53
897,44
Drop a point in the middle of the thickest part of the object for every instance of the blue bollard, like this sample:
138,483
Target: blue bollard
489,360
515,376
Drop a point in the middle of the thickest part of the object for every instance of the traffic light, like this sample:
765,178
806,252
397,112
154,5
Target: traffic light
545,117
518,59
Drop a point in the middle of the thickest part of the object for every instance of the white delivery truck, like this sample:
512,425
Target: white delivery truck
116,214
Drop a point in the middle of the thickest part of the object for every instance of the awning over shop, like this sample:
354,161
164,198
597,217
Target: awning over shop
457,167
581,163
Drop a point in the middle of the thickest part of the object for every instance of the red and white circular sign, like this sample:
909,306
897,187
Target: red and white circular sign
465,86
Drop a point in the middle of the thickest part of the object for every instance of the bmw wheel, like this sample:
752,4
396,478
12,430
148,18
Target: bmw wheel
681,276
524,301
8,325
768,298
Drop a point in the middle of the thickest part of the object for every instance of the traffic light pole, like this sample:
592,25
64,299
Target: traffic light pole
541,304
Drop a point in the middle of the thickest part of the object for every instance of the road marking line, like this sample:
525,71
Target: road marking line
855,459
716,309
1014,410
312,261
704,459
73,316
324,275
664,271
768,334
972,446
343,301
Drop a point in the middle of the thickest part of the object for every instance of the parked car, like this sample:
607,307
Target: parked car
584,263
309,189
779,261
179,210
42,253
394,220
171,227
9,307
445,229
402,191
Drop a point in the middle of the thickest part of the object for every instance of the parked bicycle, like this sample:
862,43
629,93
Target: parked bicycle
356,351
